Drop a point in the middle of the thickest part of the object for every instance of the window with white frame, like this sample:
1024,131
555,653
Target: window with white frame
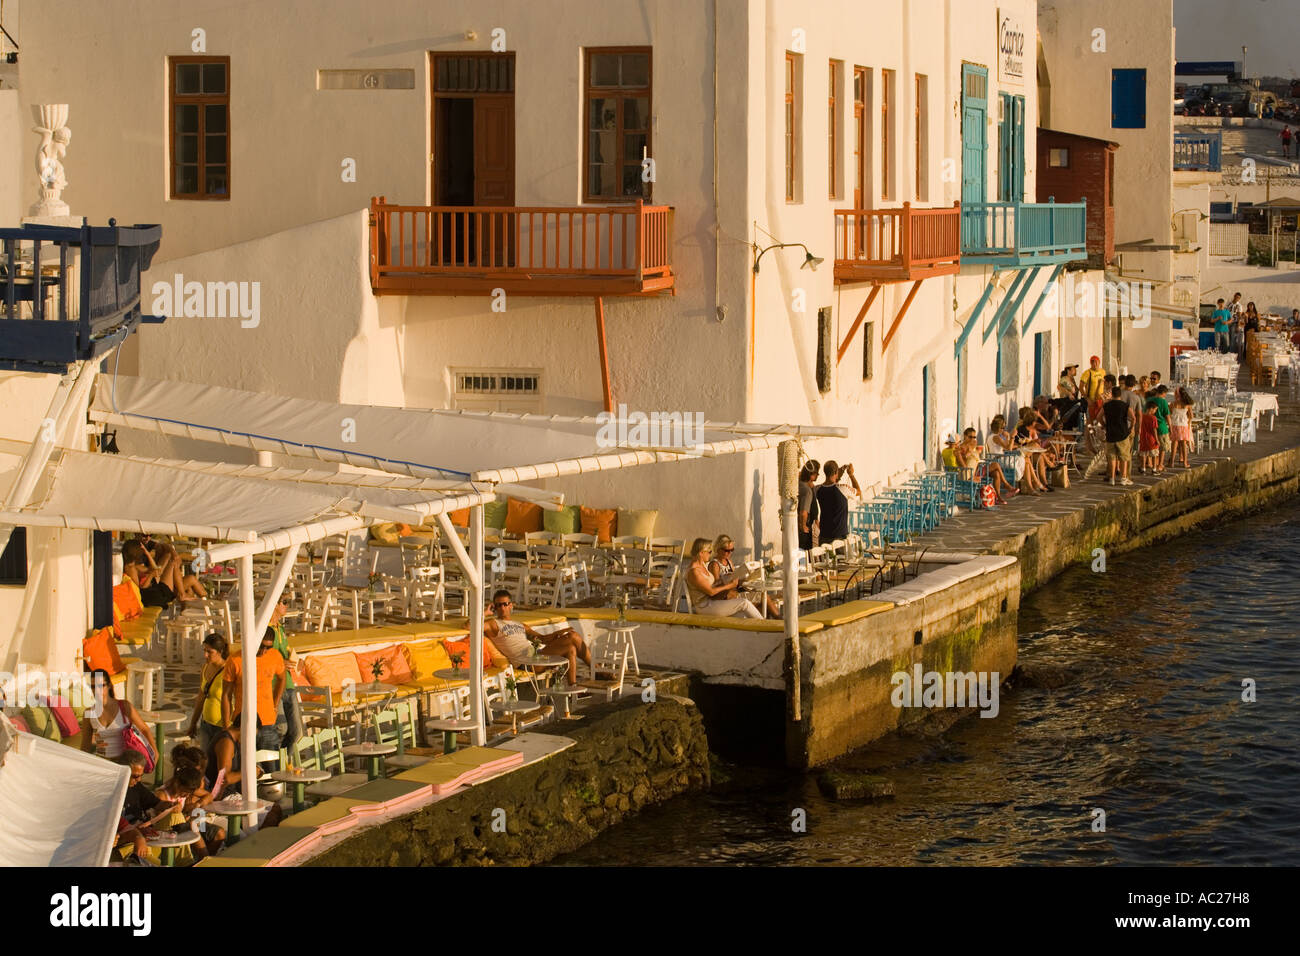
497,389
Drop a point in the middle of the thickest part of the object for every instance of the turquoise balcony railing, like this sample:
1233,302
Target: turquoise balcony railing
1198,151
1023,233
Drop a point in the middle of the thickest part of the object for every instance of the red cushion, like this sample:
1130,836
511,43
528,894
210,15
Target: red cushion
126,596
20,724
63,716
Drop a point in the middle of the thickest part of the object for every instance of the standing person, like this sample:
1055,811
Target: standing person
808,510
1120,422
1135,402
1295,336
104,723
1235,308
834,503
205,722
1222,325
1093,384
1154,379
1162,411
270,687
1180,425
1286,141
1068,402
1148,441
287,704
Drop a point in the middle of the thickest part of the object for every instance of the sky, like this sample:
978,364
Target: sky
1218,29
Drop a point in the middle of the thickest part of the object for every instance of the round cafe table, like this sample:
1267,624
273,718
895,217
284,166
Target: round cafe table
161,720
450,727
565,693
235,808
169,842
300,778
453,673
374,752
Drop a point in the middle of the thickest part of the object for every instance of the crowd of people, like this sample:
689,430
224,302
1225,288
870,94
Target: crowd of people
1232,320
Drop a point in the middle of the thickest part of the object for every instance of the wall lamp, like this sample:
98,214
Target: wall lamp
810,261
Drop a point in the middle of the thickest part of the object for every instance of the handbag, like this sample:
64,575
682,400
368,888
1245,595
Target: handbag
131,740
988,496
1060,477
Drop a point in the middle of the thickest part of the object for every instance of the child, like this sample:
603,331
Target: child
141,811
1150,438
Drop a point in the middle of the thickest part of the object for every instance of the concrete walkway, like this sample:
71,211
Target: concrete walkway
989,530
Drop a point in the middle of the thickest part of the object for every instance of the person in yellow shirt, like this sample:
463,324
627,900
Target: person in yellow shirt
1092,384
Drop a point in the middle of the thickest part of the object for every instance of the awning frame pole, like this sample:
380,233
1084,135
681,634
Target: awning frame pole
272,598
250,642
476,601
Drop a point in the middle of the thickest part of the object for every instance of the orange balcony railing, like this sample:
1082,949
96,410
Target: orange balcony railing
895,245
534,250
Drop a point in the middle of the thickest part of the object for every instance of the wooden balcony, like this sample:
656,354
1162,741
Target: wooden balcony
1022,234
548,251
897,245
70,293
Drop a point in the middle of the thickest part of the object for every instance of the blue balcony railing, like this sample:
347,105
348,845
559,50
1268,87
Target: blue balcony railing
69,293
1198,151
1024,233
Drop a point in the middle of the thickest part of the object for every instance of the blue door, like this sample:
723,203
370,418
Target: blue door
974,146
1128,99
1038,364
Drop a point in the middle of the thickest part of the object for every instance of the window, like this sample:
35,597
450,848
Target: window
825,343
922,141
793,64
497,389
861,158
833,132
868,350
886,133
13,560
1059,158
618,123
1128,99
199,141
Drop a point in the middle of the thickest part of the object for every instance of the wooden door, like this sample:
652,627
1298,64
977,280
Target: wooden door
494,176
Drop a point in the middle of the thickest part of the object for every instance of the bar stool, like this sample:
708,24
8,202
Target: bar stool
145,682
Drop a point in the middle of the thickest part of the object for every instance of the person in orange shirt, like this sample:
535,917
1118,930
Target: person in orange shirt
270,686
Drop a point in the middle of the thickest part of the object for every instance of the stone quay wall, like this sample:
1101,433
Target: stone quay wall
628,754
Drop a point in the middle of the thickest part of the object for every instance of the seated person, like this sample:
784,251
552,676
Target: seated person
968,458
1047,417
949,454
185,788
517,640
1002,442
706,594
167,570
142,810
721,567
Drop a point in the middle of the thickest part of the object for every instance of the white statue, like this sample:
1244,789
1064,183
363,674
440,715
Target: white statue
55,137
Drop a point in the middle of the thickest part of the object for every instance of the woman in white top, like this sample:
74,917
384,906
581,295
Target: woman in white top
721,567
706,595
105,722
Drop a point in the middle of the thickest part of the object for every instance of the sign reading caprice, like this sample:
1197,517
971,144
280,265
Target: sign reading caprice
209,300
1011,48
680,432
953,689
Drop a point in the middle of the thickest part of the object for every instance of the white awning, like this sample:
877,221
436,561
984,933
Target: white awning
119,493
496,447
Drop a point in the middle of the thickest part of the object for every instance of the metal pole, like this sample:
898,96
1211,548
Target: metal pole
476,586
248,655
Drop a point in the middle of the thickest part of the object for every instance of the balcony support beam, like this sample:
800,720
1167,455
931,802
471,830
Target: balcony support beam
1009,318
899,318
1042,297
604,354
973,321
853,330
1000,313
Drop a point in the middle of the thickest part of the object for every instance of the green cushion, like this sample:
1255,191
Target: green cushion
41,723
640,524
567,520
494,514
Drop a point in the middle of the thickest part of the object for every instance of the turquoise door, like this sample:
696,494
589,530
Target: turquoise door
1011,148
974,148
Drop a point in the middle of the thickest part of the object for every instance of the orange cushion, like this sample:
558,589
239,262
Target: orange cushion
394,668
599,521
522,517
491,656
100,652
126,597
460,518
334,670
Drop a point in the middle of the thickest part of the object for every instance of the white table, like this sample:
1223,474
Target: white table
169,842
300,778
1261,402
373,752
235,808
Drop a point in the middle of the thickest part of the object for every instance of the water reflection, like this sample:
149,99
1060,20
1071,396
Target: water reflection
1139,714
